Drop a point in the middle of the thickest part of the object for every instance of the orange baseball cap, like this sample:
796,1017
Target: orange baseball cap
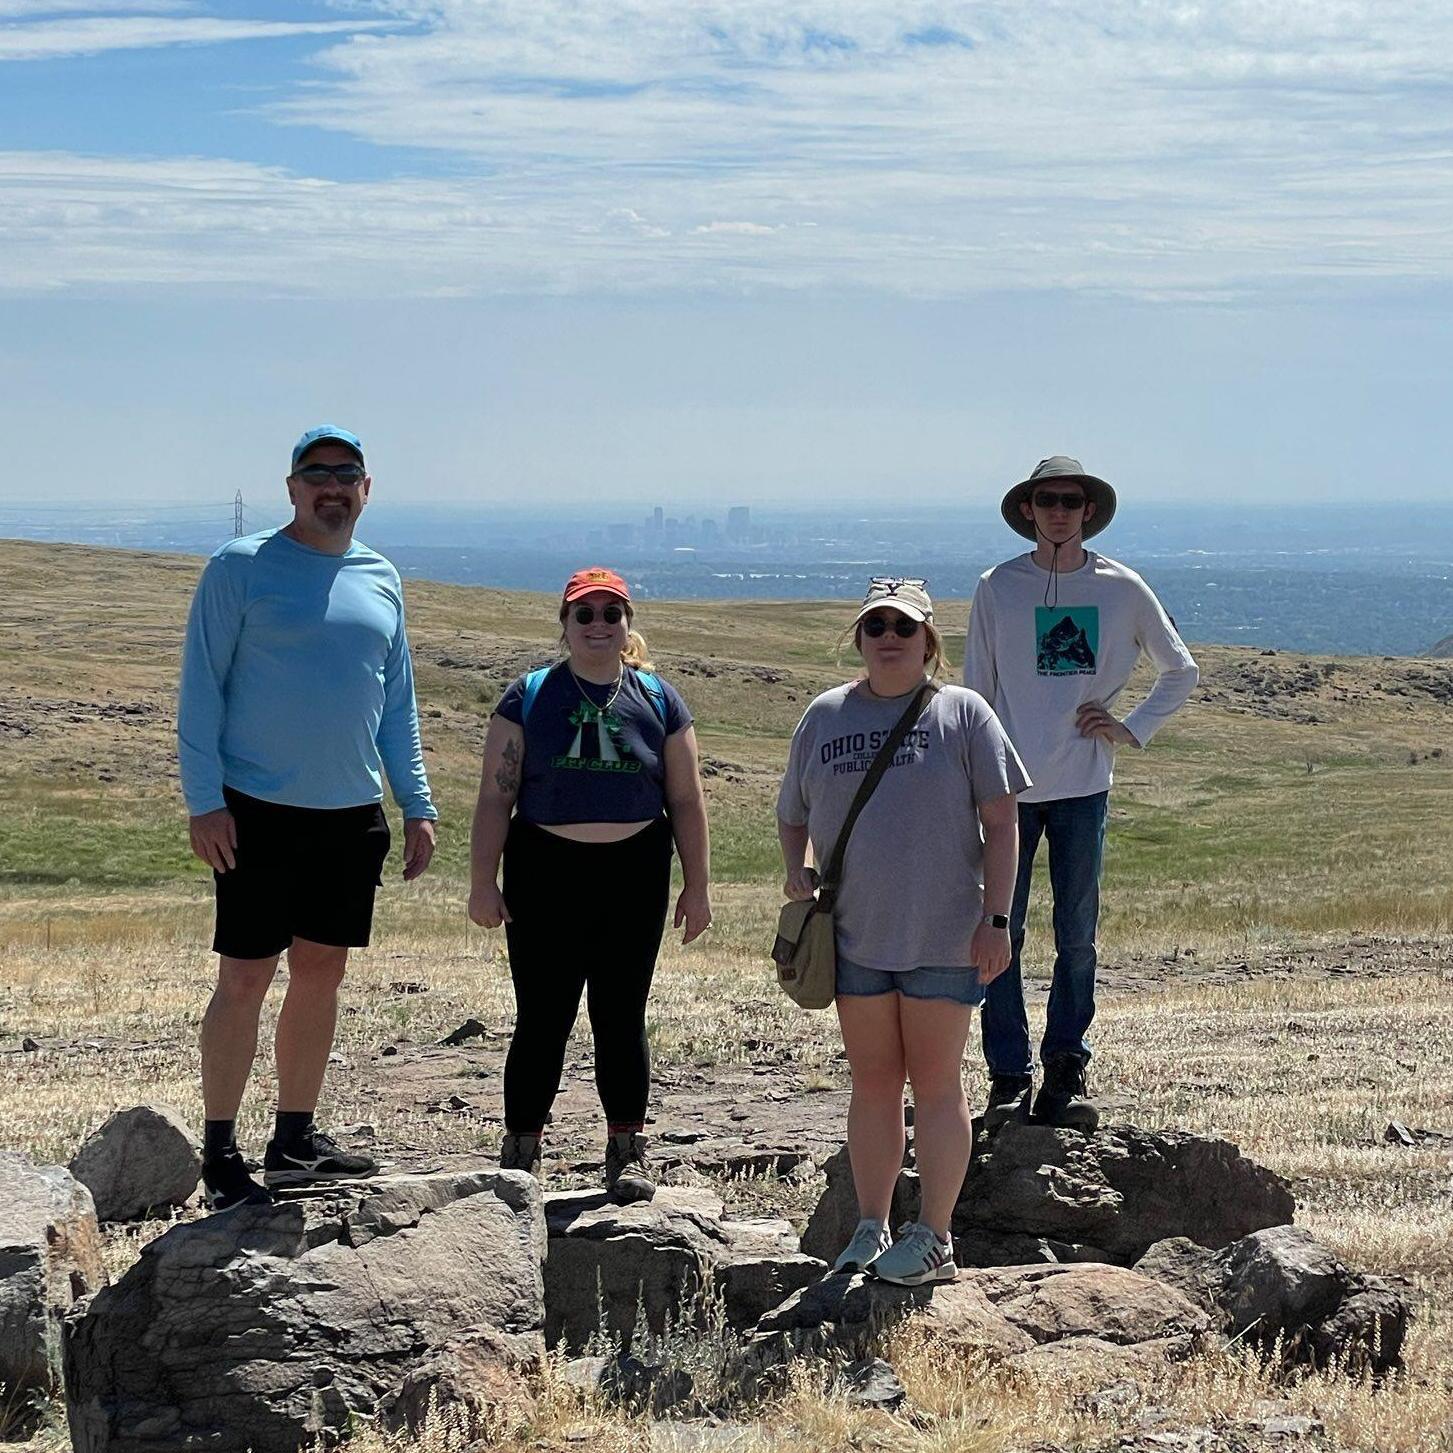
597,577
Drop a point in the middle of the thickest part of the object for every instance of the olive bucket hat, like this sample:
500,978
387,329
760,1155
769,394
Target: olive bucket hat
1059,469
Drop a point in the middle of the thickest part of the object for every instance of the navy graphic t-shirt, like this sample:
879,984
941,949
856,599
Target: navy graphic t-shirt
586,761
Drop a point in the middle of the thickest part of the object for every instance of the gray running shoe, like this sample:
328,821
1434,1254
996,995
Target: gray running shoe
870,1240
916,1258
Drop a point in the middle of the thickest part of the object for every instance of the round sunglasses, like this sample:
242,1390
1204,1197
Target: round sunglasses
876,626
610,614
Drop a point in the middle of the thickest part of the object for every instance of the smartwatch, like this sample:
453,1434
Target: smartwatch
997,920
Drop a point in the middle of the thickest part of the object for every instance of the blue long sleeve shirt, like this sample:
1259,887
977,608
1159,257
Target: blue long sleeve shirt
297,685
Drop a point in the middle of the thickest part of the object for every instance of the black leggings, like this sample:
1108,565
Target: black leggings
582,916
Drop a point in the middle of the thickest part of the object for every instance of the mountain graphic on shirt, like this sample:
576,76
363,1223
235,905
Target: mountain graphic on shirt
612,751
1065,639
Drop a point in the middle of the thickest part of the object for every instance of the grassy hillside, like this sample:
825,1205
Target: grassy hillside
1276,965
1293,795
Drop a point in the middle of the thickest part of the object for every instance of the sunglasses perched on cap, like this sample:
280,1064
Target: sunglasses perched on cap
875,626
892,584
610,614
1047,499
320,474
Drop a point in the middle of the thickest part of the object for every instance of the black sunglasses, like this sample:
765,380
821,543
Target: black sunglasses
1047,499
876,626
324,473
610,614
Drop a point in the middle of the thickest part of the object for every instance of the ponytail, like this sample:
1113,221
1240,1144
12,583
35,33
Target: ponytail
635,653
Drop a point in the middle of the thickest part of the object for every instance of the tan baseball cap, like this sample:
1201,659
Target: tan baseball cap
897,592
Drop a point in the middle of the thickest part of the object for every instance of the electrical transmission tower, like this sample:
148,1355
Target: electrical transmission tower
237,516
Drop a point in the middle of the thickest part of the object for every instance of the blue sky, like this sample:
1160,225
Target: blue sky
789,250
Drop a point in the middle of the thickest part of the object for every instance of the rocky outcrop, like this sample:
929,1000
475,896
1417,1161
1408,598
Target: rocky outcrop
1106,1320
141,1162
1283,1287
50,1255
662,1257
271,1328
1040,1194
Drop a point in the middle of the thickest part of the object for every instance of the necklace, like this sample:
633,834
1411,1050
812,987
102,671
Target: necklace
585,697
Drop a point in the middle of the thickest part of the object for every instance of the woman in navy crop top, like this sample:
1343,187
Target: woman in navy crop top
590,773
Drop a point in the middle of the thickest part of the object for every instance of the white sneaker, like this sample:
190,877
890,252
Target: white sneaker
870,1240
916,1257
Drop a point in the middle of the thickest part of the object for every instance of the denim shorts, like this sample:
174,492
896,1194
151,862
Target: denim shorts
961,986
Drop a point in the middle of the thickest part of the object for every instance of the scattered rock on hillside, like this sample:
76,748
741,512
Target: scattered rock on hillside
301,1318
1283,1282
141,1161
50,1255
661,1256
1040,1194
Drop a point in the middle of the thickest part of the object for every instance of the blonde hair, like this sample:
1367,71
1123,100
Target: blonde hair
935,662
634,653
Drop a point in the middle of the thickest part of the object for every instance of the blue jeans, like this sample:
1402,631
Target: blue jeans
1075,828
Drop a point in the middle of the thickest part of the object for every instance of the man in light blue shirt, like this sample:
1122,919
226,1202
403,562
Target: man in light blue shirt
297,699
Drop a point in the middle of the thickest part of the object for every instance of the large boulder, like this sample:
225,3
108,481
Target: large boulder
663,1257
50,1255
140,1162
1057,1319
1281,1287
1035,1193
271,1328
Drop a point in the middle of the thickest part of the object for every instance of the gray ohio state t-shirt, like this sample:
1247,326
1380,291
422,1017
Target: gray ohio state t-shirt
913,876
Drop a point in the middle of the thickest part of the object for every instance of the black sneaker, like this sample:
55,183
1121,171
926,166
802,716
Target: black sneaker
314,1160
226,1183
1062,1100
1008,1100
520,1152
627,1172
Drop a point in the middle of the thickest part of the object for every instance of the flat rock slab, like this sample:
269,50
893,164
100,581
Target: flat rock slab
50,1255
663,1257
269,1328
1062,1318
1037,1193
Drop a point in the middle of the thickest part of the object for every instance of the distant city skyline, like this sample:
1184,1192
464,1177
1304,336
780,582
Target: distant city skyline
780,251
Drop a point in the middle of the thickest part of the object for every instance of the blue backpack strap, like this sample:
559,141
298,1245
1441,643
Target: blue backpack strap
655,692
534,680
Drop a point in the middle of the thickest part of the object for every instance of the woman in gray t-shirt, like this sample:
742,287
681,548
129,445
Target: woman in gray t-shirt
921,913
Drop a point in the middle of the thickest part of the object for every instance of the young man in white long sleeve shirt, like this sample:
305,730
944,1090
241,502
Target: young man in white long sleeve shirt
1053,637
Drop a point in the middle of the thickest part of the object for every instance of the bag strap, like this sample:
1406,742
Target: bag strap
655,692
533,682
827,889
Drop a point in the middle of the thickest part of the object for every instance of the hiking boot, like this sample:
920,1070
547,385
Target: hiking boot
627,1173
314,1160
520,1152
1063,1100
870,1241
1008,1100
915,1258
226,1183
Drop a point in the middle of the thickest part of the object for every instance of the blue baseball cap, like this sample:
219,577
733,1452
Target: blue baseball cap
327,434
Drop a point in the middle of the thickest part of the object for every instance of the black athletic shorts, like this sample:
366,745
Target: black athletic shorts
302,872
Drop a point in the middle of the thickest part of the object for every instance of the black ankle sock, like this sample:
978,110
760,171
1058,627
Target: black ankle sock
219,1140
292,1126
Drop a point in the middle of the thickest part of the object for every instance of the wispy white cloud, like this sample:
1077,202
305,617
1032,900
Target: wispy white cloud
92,34
918,146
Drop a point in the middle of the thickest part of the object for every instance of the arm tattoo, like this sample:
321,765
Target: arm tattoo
507,776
